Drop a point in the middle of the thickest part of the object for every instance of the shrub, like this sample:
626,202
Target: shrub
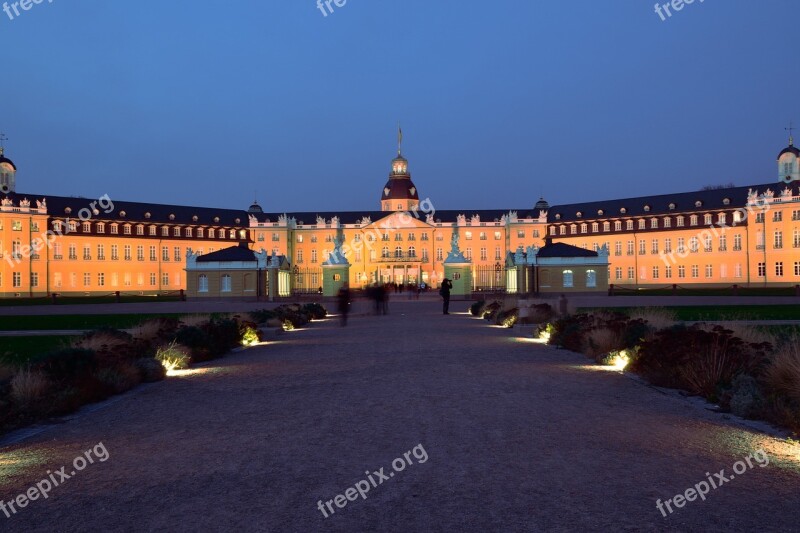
29,387
67,365
287,325
223,335
197,340
195,320
507,318
156,331
150,370
477,307
249,333
699,361
656,317
173,357
602,341
540,313
490,310
782,376
263,315
315,310
120,378
746,399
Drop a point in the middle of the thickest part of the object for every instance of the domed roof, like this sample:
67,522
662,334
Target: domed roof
791,149
255,208
4,159
400,189
542,204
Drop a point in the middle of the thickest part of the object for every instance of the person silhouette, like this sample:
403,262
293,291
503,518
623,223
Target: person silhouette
445,292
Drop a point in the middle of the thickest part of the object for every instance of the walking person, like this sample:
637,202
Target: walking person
344,302
445,292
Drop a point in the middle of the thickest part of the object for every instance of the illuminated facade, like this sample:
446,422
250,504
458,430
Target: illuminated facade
80,246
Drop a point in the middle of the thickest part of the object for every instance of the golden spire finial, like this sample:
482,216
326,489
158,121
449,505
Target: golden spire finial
791,129
399,139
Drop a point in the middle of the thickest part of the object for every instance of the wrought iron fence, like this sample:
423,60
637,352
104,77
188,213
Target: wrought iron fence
490,278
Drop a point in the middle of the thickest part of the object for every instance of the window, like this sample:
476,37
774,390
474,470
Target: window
759,218
737,270
87,279
709,271
152,279
631,273
737,242
797,268
629,225
211,234
412,252
439,255
101,279
668,271
16,279
693,220
654,246
34,279
101,228
225,283
707,243
57,279
140,253
655,272
484,254
126,229
153,255
114,252
723,243
779,268
314,255
188,232
139,230
86,227
521,233
618,225
176,253
567,276
777,216
482,235
468,235
595,227
722,219
584,228
87,252
681,271
667,222
153,231
695,271
591,278
708,219
642,247
630,247
679,221
127,251
641,224
606,226
165,279
618,273
667,246
101,252
737,217
694,244
618,248
16,225
202,283
778,240
497,235
497,253
762,270
165,253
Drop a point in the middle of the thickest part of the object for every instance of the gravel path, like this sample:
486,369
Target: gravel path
518,437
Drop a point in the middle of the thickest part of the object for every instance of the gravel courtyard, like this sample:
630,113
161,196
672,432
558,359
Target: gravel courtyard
516,437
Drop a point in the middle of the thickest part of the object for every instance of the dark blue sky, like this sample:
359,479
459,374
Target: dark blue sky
198,102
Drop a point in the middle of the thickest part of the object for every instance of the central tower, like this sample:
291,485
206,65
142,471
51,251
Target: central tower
399,193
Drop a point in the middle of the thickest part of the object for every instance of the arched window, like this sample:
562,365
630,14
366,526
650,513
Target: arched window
385,252
412,252
591,278
568,280
202,283
225,283
398,252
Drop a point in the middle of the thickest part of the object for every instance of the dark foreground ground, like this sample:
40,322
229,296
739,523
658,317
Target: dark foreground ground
514,437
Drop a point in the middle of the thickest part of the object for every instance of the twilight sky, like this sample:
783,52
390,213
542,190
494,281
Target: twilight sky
203,103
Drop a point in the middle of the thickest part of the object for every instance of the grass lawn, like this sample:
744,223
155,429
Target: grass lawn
18,350
49,322
725,291
71,300
732,312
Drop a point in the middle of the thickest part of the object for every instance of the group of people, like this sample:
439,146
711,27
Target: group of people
379,294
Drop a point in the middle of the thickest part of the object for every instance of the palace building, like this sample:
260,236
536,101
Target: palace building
749,236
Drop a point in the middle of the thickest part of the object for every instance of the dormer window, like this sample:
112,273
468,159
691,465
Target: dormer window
671,207
647,209
623,210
